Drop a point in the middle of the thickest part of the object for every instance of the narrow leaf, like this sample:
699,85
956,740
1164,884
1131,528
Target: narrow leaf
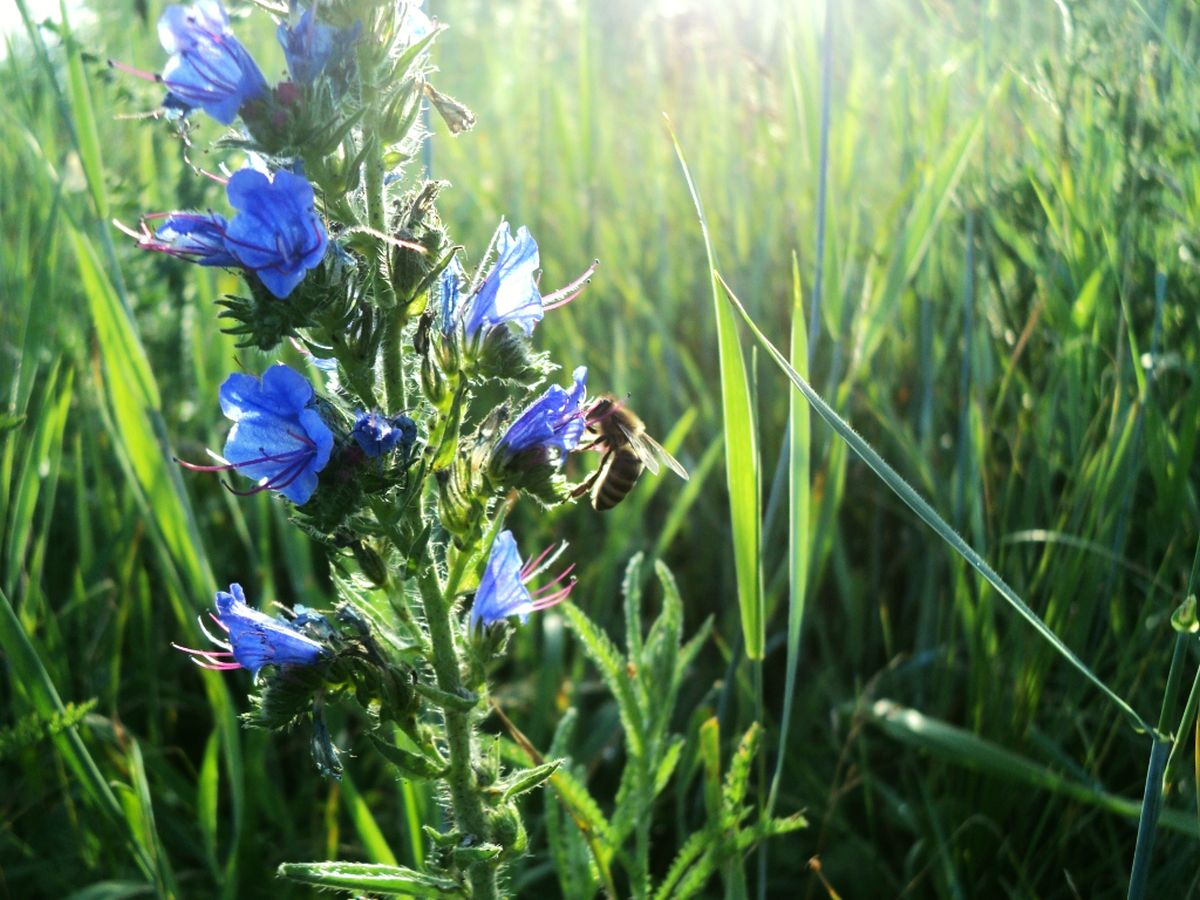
741,448
921,507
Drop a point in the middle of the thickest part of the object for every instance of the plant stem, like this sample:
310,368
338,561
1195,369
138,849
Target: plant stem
464,794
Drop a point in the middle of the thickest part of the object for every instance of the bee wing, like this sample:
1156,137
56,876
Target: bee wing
642,445
657,449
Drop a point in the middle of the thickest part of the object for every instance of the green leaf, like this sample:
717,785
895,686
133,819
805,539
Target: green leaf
369,833
710,756
526,780
631,590
372,877
465,857
612,668
445,699
963,748
694,862
927,514
799,462
738,776
411,765
741,448
28,672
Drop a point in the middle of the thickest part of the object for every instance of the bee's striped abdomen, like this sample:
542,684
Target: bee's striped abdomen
620,473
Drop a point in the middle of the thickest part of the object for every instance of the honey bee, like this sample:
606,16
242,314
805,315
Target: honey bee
617,432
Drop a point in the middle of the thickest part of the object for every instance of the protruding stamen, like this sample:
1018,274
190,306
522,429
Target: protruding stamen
561,575
557,597
567,293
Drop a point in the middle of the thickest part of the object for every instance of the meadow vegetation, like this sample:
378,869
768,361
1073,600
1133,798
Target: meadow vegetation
1007,311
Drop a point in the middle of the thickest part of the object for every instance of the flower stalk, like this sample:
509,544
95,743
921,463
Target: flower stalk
464,791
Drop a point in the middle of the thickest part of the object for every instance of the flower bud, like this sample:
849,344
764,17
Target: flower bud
371,563
508,830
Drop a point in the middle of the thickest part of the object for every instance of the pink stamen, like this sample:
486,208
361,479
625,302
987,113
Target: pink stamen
136,73
196,467
205,653
217,667
545,587
567,293
208,634
557,597
220,624
530,566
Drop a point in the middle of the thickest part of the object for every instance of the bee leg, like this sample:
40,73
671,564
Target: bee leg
585,486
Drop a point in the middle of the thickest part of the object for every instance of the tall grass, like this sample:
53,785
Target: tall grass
1007,313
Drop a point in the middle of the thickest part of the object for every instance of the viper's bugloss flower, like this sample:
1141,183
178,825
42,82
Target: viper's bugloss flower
509,291
254,638
554,421
194,236
312,47
503,590
450,285
276,233
278,437
208,67
378,435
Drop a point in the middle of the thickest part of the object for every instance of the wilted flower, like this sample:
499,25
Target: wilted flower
276,232
502,591
509,292
254,638
554,421
377,435
278,437
208,67
311,46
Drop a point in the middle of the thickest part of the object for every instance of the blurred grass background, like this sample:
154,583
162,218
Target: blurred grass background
1009,314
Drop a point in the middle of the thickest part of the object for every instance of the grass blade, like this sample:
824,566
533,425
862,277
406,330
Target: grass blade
928,515
741,448
798,450
964,748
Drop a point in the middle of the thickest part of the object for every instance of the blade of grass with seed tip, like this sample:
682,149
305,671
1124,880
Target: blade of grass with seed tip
741,447
927,514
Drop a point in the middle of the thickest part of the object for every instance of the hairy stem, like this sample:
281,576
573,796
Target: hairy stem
393,362
464,792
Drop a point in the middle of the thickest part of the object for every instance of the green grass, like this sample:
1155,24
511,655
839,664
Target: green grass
1008,314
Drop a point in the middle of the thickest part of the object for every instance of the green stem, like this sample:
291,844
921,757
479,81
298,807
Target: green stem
464,792
393,362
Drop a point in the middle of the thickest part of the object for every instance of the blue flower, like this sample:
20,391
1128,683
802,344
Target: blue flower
208,67
378,435
197,237
278,438
276,232
313,47
553,422
255,639
449,289
502,591
509,293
